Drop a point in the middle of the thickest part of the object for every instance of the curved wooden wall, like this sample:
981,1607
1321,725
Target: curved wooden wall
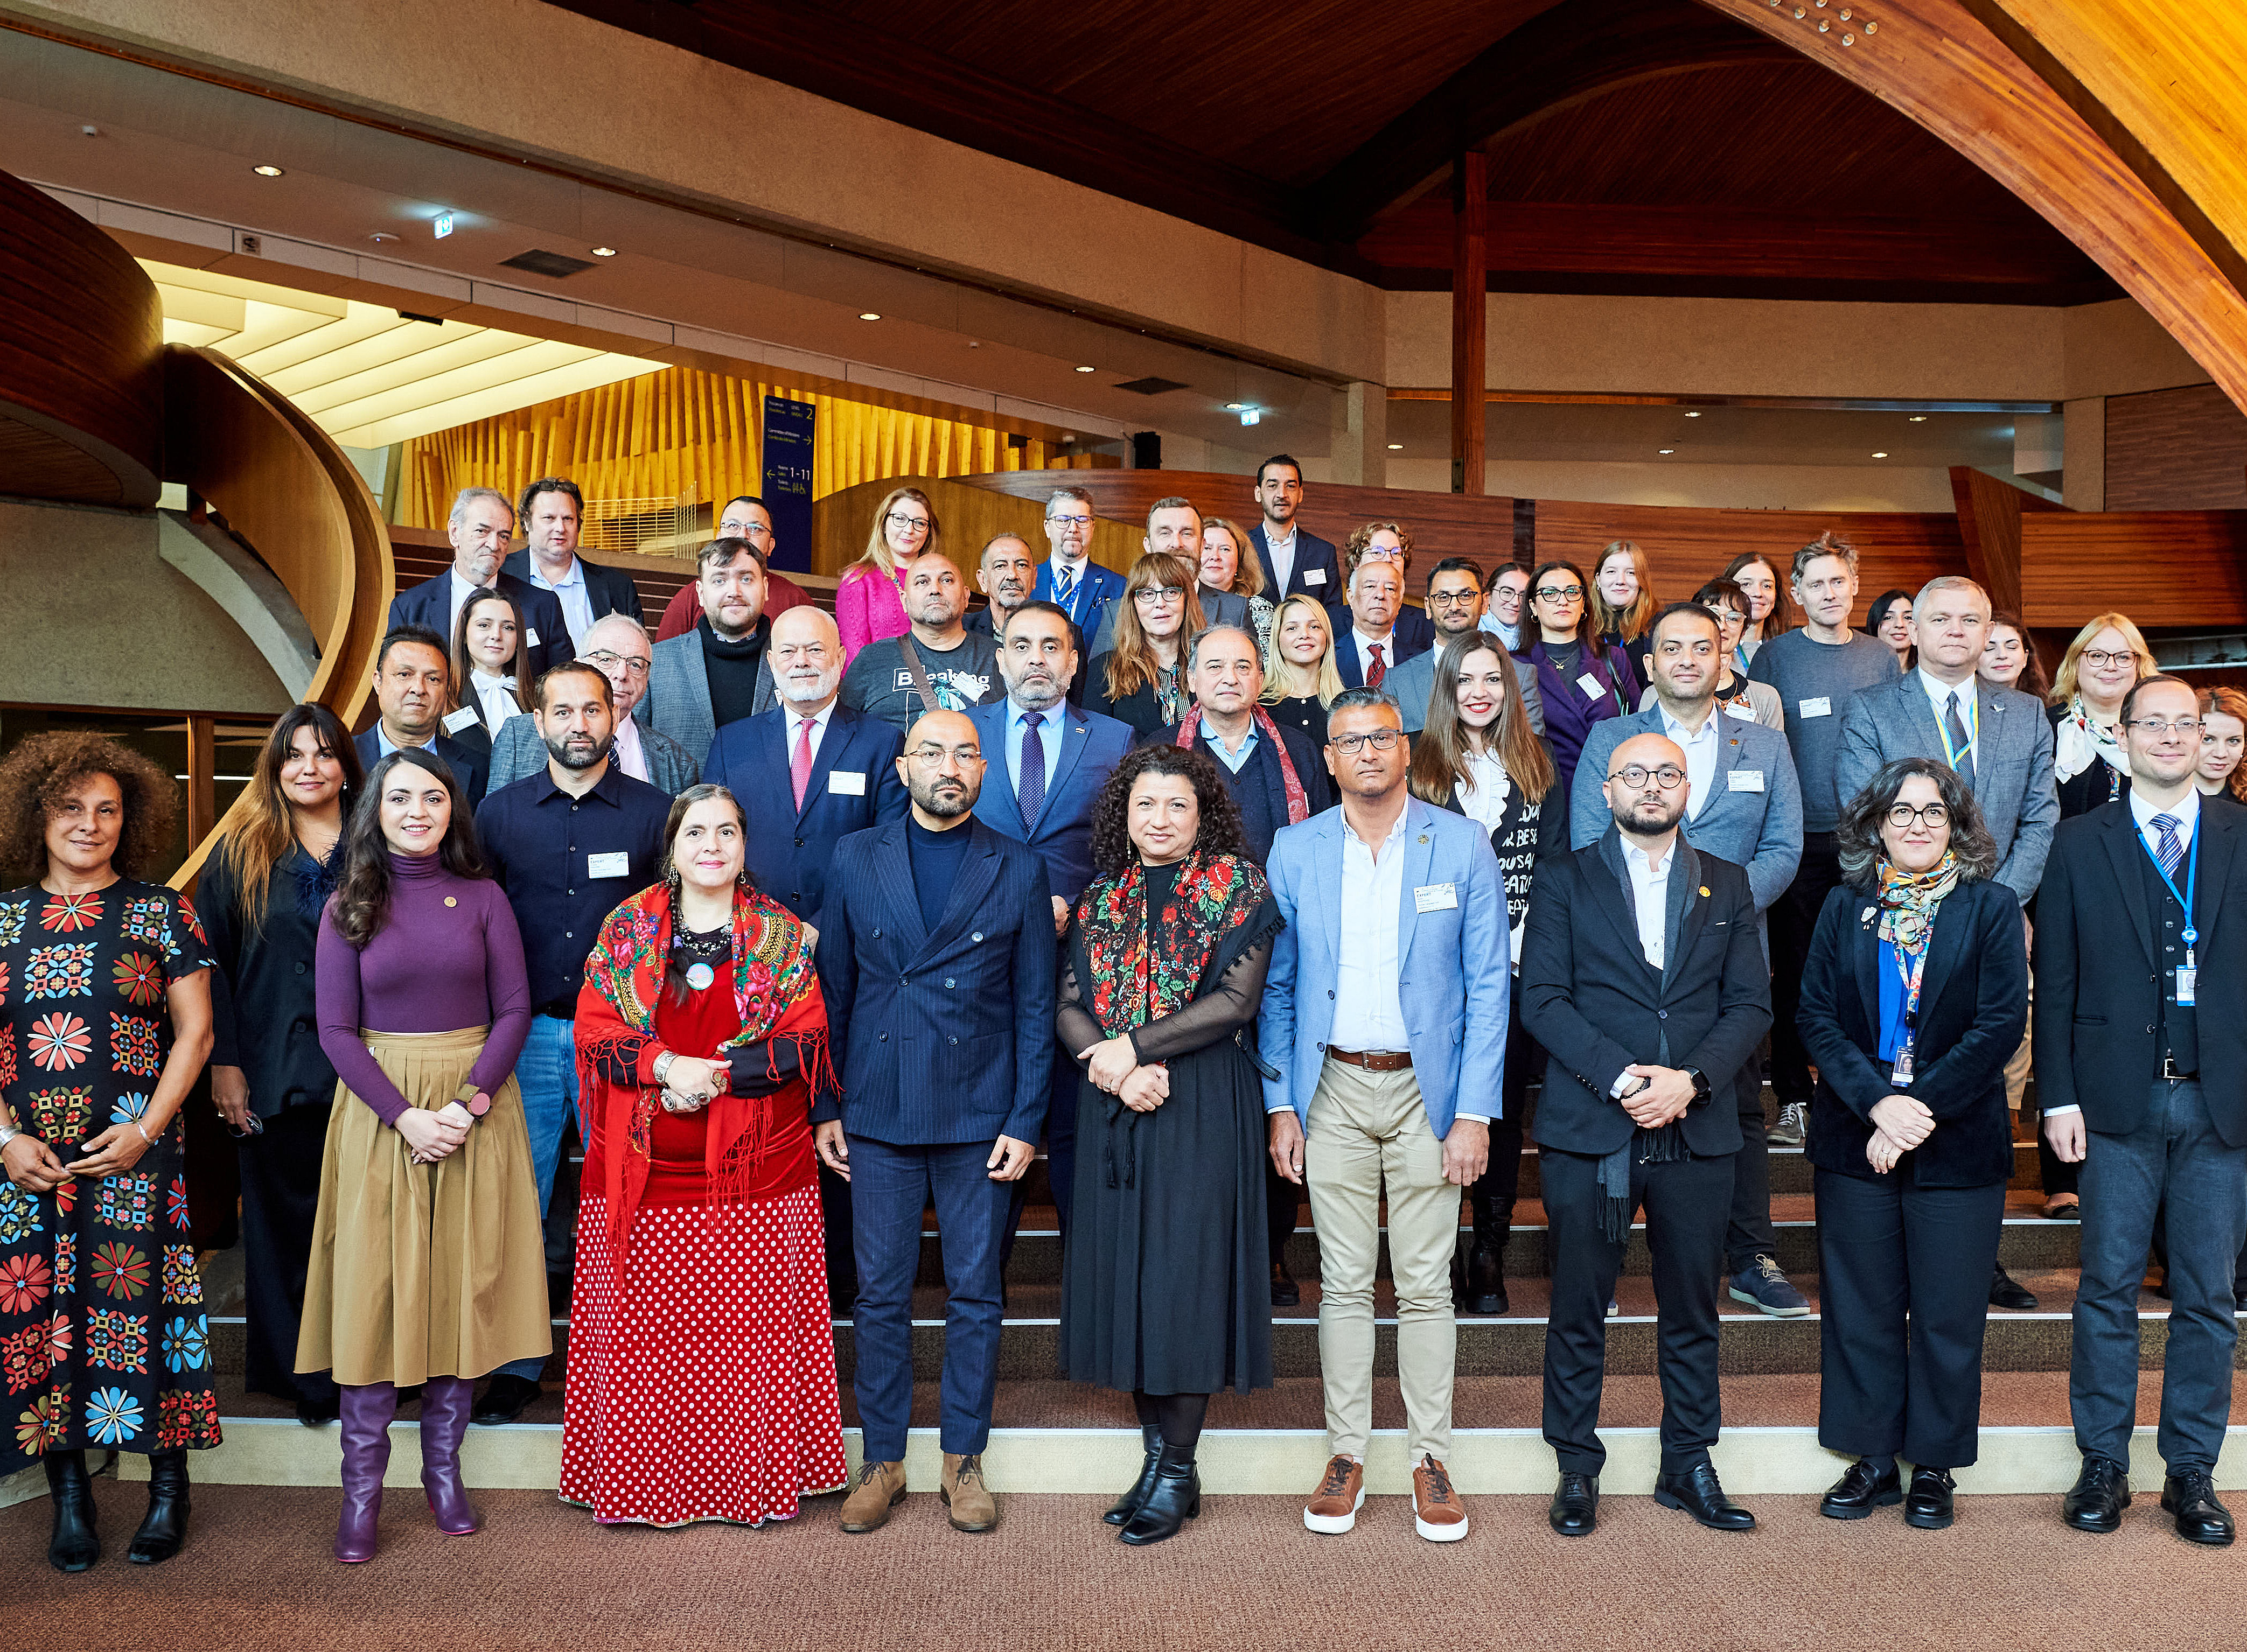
81,368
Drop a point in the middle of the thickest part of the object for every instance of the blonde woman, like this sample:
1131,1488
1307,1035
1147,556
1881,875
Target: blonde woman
1229,563
2102,665
1142,680
1623,606
869,601
1300,679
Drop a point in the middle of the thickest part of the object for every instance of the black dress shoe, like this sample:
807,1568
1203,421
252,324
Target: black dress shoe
2007,1291
319,1411
2097,1499
74,1545
2200,1519
1485,1293
1860,1491
165,1527
1701,1495
1174,1499
505,1399
1285,1291
1928,1507
1576,1505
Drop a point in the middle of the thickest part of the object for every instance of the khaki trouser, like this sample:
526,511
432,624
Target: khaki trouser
1365,1128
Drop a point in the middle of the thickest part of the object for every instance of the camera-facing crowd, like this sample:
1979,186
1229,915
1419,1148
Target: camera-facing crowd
1233,883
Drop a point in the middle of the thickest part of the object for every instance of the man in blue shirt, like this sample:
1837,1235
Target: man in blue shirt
568,845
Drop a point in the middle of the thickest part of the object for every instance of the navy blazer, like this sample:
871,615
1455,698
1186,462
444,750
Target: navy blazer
430,604
609,591
1088,600
467,767
790,850
945,1037
1091,746
1415,634
1311,551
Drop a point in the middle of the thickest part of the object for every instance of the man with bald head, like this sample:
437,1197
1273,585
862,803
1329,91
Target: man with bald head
618,646
1643,978
936,952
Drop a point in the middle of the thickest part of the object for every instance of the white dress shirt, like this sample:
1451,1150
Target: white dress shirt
818,721
1282,552
496,698
1366,645
630,754
1701,753
1482,795
1649,889
569,592
1938,695
1369,1012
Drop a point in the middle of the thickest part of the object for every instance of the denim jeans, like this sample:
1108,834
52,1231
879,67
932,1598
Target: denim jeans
547,1072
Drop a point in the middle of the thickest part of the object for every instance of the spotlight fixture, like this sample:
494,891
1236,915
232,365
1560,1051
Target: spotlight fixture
1252,415
603,252
870,315
1879,455
1665,450
381,237
1396,446
444,225
1086,370
1919,418
1235,407
1692,415
267,171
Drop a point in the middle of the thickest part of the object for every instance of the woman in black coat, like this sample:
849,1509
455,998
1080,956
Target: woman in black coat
261,896
1913,999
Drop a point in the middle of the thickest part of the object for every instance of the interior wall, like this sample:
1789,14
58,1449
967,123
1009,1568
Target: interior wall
1712,487
2182,449
99,619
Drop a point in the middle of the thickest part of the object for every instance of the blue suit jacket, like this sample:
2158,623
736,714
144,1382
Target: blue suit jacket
430,604
467,767
1415,635
1311,551
608,591
790,850
1088,598
1091,746
1456,964
944,1037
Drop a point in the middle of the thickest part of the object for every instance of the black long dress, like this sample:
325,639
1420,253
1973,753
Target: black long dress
1166,1286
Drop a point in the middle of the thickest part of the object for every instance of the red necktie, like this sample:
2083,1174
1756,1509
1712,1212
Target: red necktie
1377,670
799,765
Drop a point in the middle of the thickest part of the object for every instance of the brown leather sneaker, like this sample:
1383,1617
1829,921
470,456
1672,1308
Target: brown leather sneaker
973,1508
879,1488
1437,1515
1334,1506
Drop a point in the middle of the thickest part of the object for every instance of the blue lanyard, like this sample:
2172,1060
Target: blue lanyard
2191,877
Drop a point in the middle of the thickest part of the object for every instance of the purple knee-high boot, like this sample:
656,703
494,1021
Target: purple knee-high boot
446,1403
365,1410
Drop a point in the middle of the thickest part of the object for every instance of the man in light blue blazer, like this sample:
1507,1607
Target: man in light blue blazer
1386,1004
1744,804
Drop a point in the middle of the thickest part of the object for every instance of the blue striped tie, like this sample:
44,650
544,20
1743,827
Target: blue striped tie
2170,852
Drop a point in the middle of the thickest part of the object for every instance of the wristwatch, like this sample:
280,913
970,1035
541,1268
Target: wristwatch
1700,1082
469,1097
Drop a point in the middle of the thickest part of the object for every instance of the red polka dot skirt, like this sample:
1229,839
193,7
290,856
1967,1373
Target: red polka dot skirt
701,1385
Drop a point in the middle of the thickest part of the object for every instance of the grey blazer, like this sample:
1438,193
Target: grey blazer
1413,684
2012,764
517,751
677,703
1755,824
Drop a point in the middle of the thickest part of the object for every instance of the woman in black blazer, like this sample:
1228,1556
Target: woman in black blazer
1909,1132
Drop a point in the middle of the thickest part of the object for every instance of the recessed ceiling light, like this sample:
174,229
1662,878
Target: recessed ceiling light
267,171
1235,406
1665,450
1396,446
1085,370
1919,418
870,315
1879,455
604,252
1692,415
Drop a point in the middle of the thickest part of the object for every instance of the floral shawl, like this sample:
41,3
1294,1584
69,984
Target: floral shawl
1134,982
776,995
1910,900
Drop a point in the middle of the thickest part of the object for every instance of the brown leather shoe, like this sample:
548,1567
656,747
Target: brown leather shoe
1437,1515
879,1488
1334,1506
971,1505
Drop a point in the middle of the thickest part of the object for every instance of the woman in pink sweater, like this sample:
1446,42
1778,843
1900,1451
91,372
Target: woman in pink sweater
869,602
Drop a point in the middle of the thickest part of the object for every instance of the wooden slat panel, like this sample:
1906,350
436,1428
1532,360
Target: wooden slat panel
2074,564
2182,449
1990,527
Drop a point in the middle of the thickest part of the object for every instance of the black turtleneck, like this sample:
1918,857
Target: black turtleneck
936,858
732,669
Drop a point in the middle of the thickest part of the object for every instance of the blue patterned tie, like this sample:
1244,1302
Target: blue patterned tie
2170,852
1030,787
1063,581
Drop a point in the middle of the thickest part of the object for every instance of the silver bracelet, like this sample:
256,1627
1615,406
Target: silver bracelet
663,1064
8,1133
143,1129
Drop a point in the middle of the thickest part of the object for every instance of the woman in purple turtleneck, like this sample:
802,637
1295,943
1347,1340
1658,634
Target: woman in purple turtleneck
428,1265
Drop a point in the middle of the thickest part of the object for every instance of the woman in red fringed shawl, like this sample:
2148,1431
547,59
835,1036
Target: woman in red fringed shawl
701,1353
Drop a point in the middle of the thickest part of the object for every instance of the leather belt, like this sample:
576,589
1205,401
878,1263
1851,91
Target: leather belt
560,1009
1373,1060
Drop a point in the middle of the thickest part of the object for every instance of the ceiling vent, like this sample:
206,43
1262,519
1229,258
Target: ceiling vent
546,264
1151,386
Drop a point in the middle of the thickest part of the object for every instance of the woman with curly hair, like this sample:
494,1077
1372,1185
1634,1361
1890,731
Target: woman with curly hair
1163,1286
104,1021
428,1264
701,1044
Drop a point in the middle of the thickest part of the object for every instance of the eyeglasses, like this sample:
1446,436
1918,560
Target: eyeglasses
1559,593
905,524
2100,659
1065,523
926,752
1381,739
1901,816
2160,726
606,661
743,531
1153,594
1453,599
1669,777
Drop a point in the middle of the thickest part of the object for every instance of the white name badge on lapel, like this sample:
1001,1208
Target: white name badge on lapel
461,718
530,639
1744,780
615,864
1821,706
845,782
1315,575
1436,898
1593,686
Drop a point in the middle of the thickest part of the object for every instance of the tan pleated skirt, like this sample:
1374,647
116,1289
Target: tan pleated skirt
425,1270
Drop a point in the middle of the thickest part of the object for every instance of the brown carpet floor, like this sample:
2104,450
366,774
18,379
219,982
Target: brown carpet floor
1244,1577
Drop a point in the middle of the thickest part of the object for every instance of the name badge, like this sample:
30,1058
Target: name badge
461,718
1744,780
2188,983
1436,898
529,638
1315,575
846,782
1821,706
617,864
1593,686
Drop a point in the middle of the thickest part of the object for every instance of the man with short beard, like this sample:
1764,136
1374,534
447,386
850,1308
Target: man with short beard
620,647
568,845
716,673
939,666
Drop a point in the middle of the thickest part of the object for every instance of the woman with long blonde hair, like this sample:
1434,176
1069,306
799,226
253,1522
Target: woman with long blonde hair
2102,665
869,601
1623,606
1300,677
1142,680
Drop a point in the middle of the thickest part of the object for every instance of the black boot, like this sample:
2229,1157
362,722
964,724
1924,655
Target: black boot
1485,1293
1174,1499
75,1544
1125,1507
165,1527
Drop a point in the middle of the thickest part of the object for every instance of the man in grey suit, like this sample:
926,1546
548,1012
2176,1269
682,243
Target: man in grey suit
618,646
1744,804
1997,739
1455,605
720,671
1174,528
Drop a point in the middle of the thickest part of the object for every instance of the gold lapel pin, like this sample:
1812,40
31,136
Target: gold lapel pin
1704,891
450,901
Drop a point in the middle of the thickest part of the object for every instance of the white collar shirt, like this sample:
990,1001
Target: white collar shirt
819,719
1938,695
1649,889
1369,1009
1701,751
1282,552
631,755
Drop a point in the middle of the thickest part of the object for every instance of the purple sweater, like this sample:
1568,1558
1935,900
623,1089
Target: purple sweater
449,956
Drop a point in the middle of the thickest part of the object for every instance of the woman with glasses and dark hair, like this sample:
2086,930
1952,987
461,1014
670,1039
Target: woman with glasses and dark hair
1580,682
1912,1002
262,893
869,601
428,1262
1142,680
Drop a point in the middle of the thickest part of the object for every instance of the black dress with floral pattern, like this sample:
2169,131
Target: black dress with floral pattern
104,1340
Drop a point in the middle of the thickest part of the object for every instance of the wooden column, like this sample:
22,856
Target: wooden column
203,777
1470,283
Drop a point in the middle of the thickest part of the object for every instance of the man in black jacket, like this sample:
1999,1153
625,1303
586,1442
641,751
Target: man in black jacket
552,514
2142,924
1643,978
